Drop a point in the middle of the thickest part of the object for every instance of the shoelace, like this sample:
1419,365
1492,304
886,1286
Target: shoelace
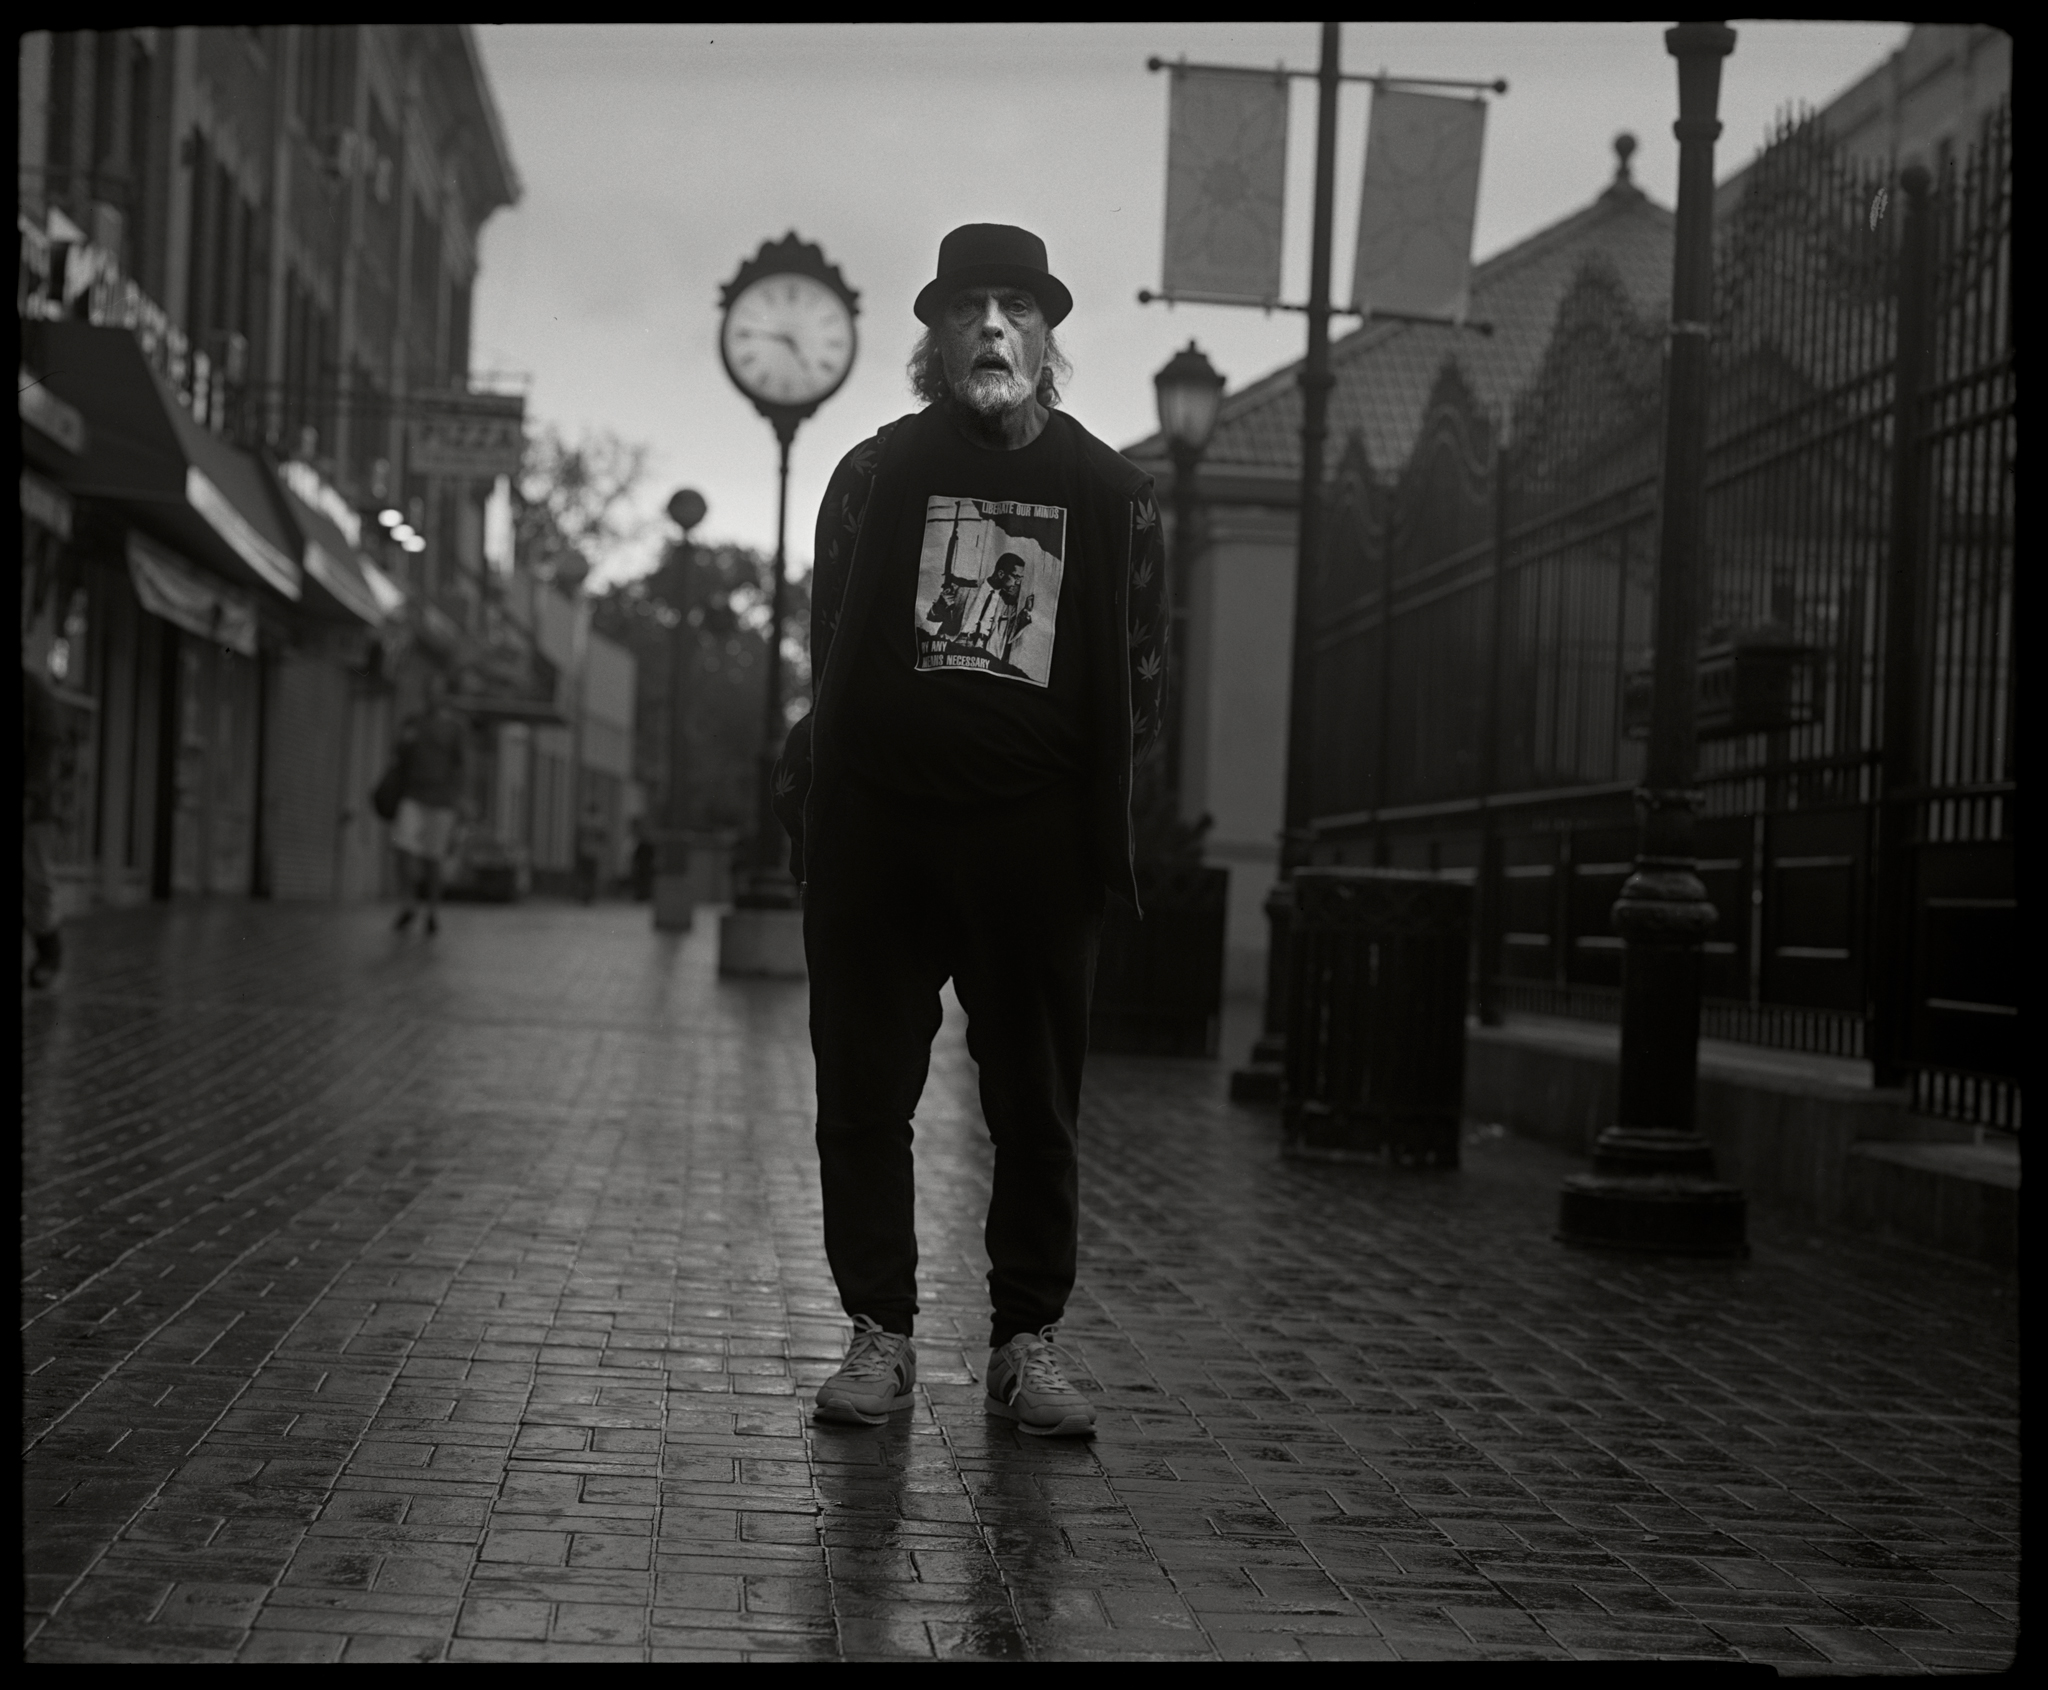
1038,1368
873,1353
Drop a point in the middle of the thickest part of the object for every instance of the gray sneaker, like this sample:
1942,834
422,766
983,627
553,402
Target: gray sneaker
1025,1384
876,1379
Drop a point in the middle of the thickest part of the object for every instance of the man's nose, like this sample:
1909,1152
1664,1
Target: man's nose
992,319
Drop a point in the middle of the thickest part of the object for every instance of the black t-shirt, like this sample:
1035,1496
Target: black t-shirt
970,685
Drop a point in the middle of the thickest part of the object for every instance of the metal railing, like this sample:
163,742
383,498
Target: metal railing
1482,612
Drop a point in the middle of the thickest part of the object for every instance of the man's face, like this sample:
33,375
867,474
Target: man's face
993,342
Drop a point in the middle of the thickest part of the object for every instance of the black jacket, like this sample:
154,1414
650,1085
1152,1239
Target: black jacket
1117,518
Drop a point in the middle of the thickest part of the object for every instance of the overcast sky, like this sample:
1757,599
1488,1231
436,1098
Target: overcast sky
656,158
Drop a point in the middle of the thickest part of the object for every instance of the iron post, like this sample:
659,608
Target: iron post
674,857
1190,394
673,896
1652,1186
673,888
1489,904
1186,459
769,885
1892,962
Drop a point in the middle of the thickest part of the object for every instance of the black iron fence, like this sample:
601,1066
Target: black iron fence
1482,665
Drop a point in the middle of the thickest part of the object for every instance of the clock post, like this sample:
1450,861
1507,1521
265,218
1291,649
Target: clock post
788,343
768,881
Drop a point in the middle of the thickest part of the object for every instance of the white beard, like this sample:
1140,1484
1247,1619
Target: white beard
991,393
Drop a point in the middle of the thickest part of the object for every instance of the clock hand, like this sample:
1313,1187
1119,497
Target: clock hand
795,351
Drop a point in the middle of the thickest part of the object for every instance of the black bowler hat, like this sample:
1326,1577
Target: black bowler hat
994,255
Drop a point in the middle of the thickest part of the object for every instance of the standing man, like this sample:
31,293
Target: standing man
993,614
957,815
433,752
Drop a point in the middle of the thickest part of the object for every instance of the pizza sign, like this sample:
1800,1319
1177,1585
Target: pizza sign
474,434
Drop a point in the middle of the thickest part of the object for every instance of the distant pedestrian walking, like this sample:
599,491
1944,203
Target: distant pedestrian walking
643,861
42,740
593,839
431,762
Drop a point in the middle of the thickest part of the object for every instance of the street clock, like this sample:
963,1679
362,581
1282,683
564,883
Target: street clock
788,343
788,338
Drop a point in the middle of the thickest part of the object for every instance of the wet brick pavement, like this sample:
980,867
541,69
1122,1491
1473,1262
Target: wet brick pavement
396,1300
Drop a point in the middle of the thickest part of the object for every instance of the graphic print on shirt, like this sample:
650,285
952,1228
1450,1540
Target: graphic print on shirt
988,587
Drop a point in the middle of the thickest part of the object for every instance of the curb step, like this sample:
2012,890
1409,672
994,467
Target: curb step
1806,1132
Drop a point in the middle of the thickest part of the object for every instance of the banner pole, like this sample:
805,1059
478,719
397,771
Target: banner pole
1316,382
1261,1080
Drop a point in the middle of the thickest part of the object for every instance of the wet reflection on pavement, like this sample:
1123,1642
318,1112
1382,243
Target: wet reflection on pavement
387,1299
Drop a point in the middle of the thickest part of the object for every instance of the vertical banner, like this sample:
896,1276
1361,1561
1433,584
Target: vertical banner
1415,211
1226,175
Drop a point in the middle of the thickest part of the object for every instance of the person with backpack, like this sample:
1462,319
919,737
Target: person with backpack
427,778
593,839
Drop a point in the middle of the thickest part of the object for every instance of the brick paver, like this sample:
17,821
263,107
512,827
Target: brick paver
396,1301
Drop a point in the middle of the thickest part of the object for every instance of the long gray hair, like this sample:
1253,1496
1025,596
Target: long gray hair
927,370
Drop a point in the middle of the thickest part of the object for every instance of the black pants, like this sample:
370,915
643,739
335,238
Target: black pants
1001,901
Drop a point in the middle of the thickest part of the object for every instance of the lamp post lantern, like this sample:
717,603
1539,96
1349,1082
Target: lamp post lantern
1652,1186
1190,394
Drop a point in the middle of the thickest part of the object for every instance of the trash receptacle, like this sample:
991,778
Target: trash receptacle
1159,981
711,865
1376,1016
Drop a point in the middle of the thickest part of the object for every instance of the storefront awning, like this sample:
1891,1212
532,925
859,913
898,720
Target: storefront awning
53,434
339,580
47,503
190,598
211,501
503,679
510,707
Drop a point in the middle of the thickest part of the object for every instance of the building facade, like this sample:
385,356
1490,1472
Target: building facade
1923,105
259,472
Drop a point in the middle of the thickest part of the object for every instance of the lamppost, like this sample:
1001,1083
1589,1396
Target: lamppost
674,905
1190,397
1652,1184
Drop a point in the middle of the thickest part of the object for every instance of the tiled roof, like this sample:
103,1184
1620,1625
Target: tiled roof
1385,371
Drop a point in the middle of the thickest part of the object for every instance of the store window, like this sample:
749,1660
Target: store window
60,644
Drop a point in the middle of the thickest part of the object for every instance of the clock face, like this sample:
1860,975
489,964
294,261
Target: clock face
788,340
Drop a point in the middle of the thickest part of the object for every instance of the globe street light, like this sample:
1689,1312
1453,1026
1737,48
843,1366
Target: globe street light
673,887
1190,394
1190,398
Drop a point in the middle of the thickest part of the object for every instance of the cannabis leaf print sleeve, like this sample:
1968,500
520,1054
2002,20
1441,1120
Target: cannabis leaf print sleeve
1151,617
839,514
